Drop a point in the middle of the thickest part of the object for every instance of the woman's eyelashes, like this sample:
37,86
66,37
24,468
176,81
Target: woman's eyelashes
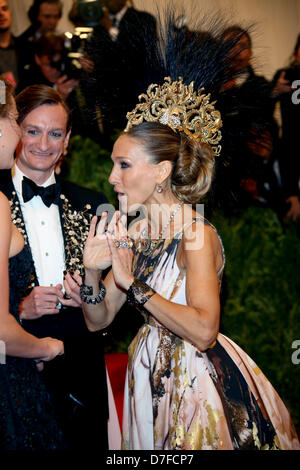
124,165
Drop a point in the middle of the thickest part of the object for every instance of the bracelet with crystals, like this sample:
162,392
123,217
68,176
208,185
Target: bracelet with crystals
87,291
139,293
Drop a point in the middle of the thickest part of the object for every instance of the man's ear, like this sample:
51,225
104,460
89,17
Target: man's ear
67,138
18,149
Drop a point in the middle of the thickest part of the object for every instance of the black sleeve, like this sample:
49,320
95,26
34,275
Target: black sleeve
289,165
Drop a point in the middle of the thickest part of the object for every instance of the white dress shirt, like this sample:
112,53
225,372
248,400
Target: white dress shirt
116,19
44,232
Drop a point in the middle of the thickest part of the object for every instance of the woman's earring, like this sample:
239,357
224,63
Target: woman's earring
1,134
159,188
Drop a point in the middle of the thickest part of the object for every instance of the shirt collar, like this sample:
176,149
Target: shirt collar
120,14
18,175
242,78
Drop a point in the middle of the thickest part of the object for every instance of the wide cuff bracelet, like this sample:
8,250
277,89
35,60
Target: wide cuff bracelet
86,293
139,293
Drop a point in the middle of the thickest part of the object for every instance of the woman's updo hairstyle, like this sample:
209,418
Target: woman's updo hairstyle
193,162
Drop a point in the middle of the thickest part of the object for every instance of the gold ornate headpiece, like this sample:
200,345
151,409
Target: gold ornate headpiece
181,108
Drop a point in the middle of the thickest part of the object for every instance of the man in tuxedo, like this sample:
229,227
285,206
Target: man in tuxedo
53,216
118,50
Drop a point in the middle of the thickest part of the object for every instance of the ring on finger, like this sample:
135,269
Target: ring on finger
123,243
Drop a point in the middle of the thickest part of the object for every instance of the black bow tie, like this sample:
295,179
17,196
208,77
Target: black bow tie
49,195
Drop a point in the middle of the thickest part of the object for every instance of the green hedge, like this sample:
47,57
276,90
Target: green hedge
89,165
261,284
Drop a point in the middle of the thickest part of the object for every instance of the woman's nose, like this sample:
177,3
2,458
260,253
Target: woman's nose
113,176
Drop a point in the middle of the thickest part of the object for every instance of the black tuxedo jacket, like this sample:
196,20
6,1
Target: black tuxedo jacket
289,158
120,65
81,371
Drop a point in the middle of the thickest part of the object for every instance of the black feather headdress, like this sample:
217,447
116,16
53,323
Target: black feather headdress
199,55
140,57
203,55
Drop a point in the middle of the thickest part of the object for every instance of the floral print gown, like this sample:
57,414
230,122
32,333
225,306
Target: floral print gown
177,397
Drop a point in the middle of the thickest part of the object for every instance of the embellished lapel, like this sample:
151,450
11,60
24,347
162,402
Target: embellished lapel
61,209
75,228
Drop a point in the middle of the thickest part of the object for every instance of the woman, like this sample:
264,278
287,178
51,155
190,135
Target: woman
187,386
26,418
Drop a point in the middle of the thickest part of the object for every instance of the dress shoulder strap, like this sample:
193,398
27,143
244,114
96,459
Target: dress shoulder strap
196,219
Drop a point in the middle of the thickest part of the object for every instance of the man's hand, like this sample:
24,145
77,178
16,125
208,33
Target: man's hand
41,301
282,86
65,86
294,210
250,185
87,64
72,285
53,347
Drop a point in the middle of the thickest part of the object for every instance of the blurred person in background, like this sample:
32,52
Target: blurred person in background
118,50
44,16
51,68
49,53
289,155
9,53
247,101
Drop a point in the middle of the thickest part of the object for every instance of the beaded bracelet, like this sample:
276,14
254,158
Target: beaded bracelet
139,293
87,291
